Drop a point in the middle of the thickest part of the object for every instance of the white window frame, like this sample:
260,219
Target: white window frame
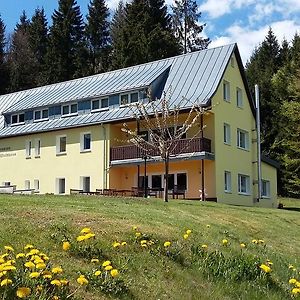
267,189
129,98
82,142
247,181
28,150
238,135
227,134
58,141
41,115
58,180
226,91
36,185
100,104
27,184
37,147
239,97
227,182
18,119
69,108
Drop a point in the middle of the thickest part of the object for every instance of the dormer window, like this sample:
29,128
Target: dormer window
18,118
129,98
69,109
124,99
99,104
41,114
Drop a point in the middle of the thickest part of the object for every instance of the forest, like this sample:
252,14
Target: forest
73,46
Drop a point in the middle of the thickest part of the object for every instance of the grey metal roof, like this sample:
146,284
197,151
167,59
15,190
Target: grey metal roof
194,76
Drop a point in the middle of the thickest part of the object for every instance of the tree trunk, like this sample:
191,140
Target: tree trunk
166,179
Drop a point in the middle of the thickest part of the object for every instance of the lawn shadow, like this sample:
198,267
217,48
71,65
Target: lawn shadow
292,208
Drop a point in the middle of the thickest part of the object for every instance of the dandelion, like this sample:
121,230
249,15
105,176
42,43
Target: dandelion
6,282
4,255
33,252
47,276
9,268
204,247
207,226
81,238
29,265
123,244
34,275
297,284
114,273
28,246
106,263
242,245
116,244
55,297
23,292
292,281
97,273
254,241
143,242
188,231
66,246
225,242
134,228
138,234
265,268
64,281
85,230
167,244
41,266
108,268
56,282
82,280
261,241
57,270
20,255
94,260
291,267
295,291
9,248
185,236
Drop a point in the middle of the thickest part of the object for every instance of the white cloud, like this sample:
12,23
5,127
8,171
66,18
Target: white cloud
247,38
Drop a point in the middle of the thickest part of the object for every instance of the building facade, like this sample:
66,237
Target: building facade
68,135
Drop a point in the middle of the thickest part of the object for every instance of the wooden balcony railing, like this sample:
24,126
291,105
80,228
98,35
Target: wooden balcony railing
183,146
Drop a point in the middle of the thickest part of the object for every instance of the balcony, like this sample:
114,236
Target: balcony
183,146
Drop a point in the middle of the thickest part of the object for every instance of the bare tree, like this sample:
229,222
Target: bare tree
162,121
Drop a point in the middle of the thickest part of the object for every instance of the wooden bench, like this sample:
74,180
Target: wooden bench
75,191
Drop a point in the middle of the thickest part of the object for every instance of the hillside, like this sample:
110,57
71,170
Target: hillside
184,270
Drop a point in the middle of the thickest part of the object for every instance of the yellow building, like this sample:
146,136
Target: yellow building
68,135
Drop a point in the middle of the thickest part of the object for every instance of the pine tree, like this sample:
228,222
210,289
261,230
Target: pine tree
3,69
21,60
66,52
98,39
38,41
186,27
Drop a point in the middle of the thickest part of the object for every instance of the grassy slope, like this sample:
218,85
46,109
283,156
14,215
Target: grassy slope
33,220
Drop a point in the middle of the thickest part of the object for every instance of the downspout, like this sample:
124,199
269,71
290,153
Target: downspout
202,162
104,158
259,175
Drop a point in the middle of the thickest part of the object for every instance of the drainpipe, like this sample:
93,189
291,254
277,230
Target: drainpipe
104,158
259,175
202,161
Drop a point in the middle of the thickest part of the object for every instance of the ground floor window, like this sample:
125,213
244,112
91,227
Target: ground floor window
243,184
227,181
36,185
85,183
27,184
265,189
142,180
156,181
61,185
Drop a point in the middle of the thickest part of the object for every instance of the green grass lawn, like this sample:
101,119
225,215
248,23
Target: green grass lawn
40,220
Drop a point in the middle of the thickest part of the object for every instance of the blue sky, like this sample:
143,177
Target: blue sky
245,22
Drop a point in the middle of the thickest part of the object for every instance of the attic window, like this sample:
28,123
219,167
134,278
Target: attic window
69,109
129,98
18,118
232,61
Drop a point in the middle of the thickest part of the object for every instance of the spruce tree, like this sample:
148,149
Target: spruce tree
66,51
97,33
38,41
3,70
186,27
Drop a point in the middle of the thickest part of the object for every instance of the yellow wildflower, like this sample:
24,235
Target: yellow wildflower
81,238
29,265
89,235
39,288
134,227
82,280
106,263
225,242
108,268
188,231
1,260
38,260
2,274
97,273
123,243
41,266
23,292
4,255
9,248
297,284
291,267
167,244
64,281
295,291
138,234
114,273
265,268
185,236
94,260
242,245
85,230
34,275
9,268
6,282
144,245
20,255
116,244
204,247
56,282
254,241
55,297
261,241
66,246
143,242
47,276
57,270
292,281
207,226
28,246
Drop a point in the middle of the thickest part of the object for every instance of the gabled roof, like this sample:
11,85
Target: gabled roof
194,76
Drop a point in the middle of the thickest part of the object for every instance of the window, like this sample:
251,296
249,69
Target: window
242,139
69,109
37,147
265,193
27,184
45,113
156,181
134,97
85,183
124,99
227,181
226,91
28,149
95,104
61,144
171,181
243,184
37,115
74,108
100,103
239,97
19,118
129,98
227,135
141,182
61,185
85,142
65,110
6,183
181,181
36,185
